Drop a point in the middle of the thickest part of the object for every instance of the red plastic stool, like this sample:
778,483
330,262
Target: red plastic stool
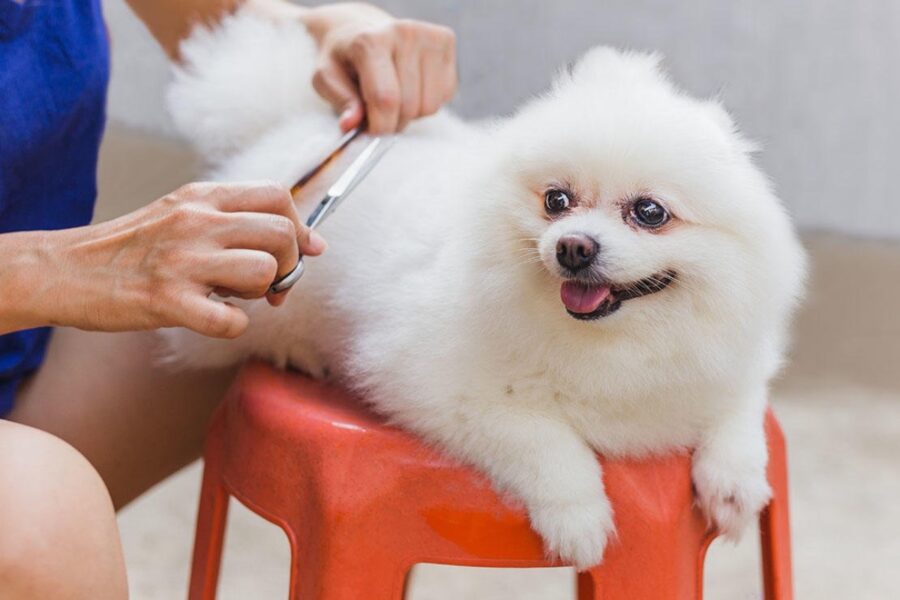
362,502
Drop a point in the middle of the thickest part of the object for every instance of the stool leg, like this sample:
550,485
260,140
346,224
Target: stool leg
586,588
210,534
658,564
774,523
346,581
338,583
344,569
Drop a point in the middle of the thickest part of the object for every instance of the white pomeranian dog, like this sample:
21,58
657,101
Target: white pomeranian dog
606,270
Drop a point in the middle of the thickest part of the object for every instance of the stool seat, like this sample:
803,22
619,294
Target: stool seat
362,502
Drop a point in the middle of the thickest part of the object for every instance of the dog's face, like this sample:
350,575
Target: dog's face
603,249
639,200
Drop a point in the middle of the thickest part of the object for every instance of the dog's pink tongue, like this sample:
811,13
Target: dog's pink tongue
581,298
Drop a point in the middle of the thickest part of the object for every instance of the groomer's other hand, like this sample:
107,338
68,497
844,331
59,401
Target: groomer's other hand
371,65
158,266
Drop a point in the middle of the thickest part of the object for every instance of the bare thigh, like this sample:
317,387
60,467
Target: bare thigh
136,422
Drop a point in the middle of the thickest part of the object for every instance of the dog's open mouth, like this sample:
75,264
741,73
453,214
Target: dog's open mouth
588,301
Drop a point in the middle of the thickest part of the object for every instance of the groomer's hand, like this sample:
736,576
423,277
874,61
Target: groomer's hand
374,66
158,266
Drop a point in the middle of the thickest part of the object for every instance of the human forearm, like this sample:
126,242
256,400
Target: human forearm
157,266
22,305
170,21
68,277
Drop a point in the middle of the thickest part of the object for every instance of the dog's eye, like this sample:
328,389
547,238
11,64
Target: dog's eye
649,213
556,201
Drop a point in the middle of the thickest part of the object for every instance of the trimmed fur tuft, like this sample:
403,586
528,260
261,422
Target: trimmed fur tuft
238,81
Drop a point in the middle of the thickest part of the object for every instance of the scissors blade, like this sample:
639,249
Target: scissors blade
320,166
361,166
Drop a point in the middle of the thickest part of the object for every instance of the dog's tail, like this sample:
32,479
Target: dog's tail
241,79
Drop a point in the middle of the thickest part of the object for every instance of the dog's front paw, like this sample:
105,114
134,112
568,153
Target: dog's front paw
575,532
730,493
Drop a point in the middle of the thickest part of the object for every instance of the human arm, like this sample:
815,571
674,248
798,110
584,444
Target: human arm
370,65
156,267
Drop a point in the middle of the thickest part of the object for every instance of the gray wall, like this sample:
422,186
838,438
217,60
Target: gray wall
816,81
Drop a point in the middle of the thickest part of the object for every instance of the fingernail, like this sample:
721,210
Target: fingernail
277,299
316,242
350,117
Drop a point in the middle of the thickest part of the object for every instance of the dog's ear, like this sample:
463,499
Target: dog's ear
606,66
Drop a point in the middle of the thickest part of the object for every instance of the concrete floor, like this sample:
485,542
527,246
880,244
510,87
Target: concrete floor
839,403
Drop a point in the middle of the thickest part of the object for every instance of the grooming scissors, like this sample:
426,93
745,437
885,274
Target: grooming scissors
361,166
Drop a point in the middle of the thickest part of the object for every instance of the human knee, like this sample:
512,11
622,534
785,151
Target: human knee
58,529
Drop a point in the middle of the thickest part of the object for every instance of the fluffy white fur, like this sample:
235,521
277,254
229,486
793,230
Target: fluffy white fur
439,297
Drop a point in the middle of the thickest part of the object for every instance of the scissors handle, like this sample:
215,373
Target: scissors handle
285,283
317,216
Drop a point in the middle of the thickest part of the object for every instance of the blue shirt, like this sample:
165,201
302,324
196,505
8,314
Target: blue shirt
54,69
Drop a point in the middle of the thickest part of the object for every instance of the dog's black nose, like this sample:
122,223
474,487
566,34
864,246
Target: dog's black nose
575,251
